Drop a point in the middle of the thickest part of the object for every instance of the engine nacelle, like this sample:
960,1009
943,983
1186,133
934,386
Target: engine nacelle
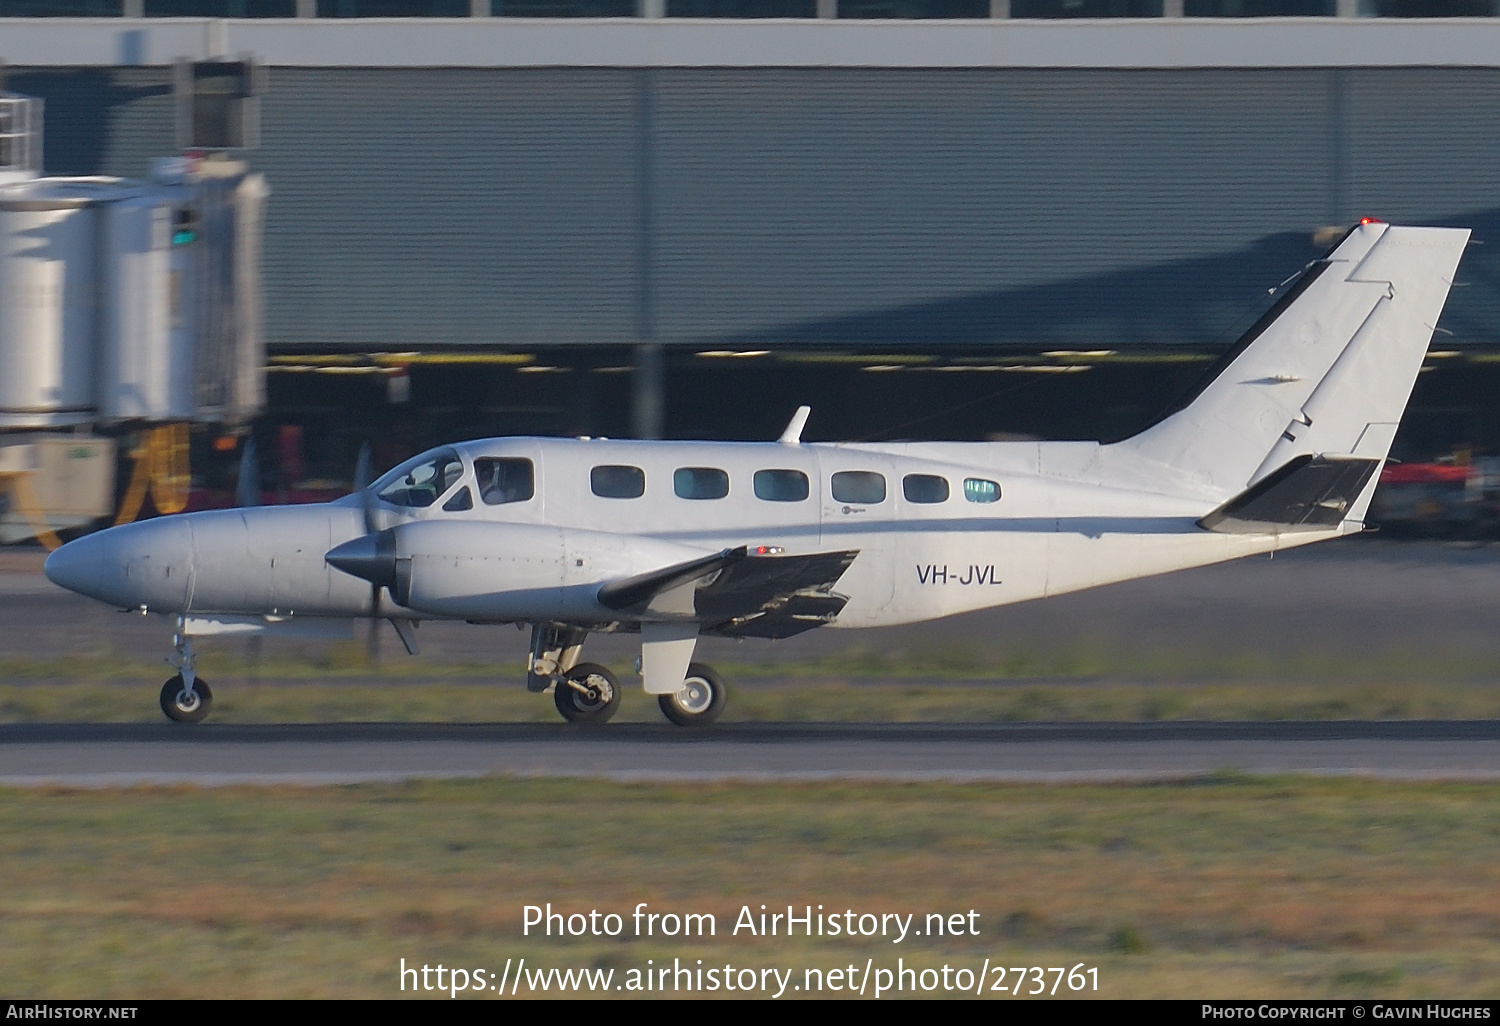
503,572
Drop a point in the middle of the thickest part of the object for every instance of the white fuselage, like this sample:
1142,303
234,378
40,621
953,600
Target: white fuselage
1062,516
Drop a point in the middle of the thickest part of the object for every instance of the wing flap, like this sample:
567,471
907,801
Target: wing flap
774,596
788,618
735,593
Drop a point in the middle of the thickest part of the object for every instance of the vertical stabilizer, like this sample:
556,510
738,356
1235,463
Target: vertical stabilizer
1325,374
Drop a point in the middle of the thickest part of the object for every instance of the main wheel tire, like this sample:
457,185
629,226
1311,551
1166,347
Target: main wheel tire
184,706
597,703
700,701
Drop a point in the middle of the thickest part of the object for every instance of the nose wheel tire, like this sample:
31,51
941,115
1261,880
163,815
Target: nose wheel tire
183,705
595,697
700,701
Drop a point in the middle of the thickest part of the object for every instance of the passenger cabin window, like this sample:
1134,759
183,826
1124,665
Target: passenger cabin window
977,489
780,485
462,500
864,486
617,482
924,488
505,479
417,485
700,483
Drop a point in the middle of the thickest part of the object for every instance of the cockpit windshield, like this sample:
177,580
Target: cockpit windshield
420,481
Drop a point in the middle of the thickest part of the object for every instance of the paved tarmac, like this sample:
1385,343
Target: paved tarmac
90,755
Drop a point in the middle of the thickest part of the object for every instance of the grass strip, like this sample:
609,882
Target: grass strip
1227,886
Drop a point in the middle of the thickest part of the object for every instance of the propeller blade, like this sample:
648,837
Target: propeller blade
362,472
372,641
362,478
372,557
247,488
367,506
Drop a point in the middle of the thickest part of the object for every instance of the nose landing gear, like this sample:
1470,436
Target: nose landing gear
184,702
185,698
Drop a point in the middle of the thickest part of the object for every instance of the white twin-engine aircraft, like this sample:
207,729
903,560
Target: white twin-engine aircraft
1281,445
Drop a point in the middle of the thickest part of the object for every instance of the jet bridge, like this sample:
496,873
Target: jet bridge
128,311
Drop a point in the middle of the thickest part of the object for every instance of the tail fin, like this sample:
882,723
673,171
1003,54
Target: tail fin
1325,374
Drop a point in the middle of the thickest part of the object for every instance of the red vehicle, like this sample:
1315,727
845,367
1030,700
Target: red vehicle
1439,498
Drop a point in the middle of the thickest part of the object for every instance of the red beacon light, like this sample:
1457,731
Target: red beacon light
1370,220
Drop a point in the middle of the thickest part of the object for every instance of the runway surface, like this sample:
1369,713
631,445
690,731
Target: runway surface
90,755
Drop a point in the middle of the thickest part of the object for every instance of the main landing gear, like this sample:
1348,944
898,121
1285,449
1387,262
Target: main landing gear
590,693
699,702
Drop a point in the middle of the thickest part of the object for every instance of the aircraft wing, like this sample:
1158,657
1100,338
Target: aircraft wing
635,593
734,593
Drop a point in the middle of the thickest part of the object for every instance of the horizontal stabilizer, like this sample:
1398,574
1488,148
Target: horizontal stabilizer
1309,492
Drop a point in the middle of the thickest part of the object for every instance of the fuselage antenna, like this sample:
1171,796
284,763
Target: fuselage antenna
793,433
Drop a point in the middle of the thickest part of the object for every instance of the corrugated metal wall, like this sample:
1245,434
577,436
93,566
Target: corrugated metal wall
451,206
785,197
516,206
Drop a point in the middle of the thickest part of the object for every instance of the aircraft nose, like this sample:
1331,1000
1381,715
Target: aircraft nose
78,566
145,564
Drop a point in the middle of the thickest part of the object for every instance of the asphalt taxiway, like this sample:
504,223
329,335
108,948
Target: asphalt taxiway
103,755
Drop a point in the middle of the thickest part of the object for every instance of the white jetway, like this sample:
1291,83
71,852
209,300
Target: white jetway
125,307
47,297
145,368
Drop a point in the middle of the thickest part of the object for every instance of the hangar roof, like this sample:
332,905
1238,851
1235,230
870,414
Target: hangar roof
730,43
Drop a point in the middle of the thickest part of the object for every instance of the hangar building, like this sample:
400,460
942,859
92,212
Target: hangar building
922,226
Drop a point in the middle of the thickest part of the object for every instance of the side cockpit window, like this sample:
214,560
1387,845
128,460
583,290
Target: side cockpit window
505,479
461,501
419,483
